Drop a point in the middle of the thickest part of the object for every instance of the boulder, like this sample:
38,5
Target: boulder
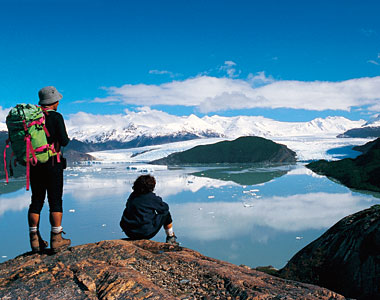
120,269
345,259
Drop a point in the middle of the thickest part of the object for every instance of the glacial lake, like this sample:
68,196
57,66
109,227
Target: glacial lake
256,215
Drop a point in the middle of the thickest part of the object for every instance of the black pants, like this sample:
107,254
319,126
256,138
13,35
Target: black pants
46,178
134,236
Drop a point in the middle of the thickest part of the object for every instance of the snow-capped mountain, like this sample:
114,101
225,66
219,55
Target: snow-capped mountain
147,129
373,122
153,124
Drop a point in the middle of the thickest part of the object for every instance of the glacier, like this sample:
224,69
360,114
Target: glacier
307,148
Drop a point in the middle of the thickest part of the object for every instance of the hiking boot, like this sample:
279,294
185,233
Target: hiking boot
57,242
36,242
172,240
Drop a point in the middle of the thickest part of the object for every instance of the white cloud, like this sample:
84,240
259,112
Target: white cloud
162,72
229,63
373,62
229,68
3,113
14,202
259,79
211,94
375,107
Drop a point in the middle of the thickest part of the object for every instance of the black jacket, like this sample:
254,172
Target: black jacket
143,214
56,127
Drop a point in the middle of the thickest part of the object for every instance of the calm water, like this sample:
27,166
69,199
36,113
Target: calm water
254,215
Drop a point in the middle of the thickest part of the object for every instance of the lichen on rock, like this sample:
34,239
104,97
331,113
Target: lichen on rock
120,269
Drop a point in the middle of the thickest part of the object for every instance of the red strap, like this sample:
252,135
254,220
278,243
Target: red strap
46,131
40,121
42,148
45,110
52,148
27,163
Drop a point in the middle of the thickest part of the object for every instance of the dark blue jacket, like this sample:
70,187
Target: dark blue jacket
144,214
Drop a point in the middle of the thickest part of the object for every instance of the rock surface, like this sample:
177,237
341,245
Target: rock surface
345,259
120,269
364,132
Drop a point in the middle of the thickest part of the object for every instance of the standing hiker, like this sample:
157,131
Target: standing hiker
48,177
145,212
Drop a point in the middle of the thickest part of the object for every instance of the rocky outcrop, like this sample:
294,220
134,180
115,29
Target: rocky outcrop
73,156
246,149
120,269
364,132
360,173
345,259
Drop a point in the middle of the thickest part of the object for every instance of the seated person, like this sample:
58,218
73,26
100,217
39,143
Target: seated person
145,212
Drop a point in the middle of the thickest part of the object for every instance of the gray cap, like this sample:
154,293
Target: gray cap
49,95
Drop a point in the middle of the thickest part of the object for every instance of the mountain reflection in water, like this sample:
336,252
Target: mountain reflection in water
246,174
252,214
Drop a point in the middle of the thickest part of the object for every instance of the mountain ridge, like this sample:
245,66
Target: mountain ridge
216,126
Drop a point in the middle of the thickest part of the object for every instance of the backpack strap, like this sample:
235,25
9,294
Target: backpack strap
40,121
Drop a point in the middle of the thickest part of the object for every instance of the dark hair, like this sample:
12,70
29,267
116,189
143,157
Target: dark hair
144,184
47,105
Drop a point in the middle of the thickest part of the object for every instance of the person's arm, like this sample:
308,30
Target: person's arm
161,207
62,137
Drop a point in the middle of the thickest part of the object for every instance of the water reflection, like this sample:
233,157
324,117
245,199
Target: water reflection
14,202
254,210
246,175
220,220
15,184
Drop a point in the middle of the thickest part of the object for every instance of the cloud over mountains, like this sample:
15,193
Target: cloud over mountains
212,94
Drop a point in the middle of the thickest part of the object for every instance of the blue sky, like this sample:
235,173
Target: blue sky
286,60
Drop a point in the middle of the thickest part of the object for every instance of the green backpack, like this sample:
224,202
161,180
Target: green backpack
28,136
